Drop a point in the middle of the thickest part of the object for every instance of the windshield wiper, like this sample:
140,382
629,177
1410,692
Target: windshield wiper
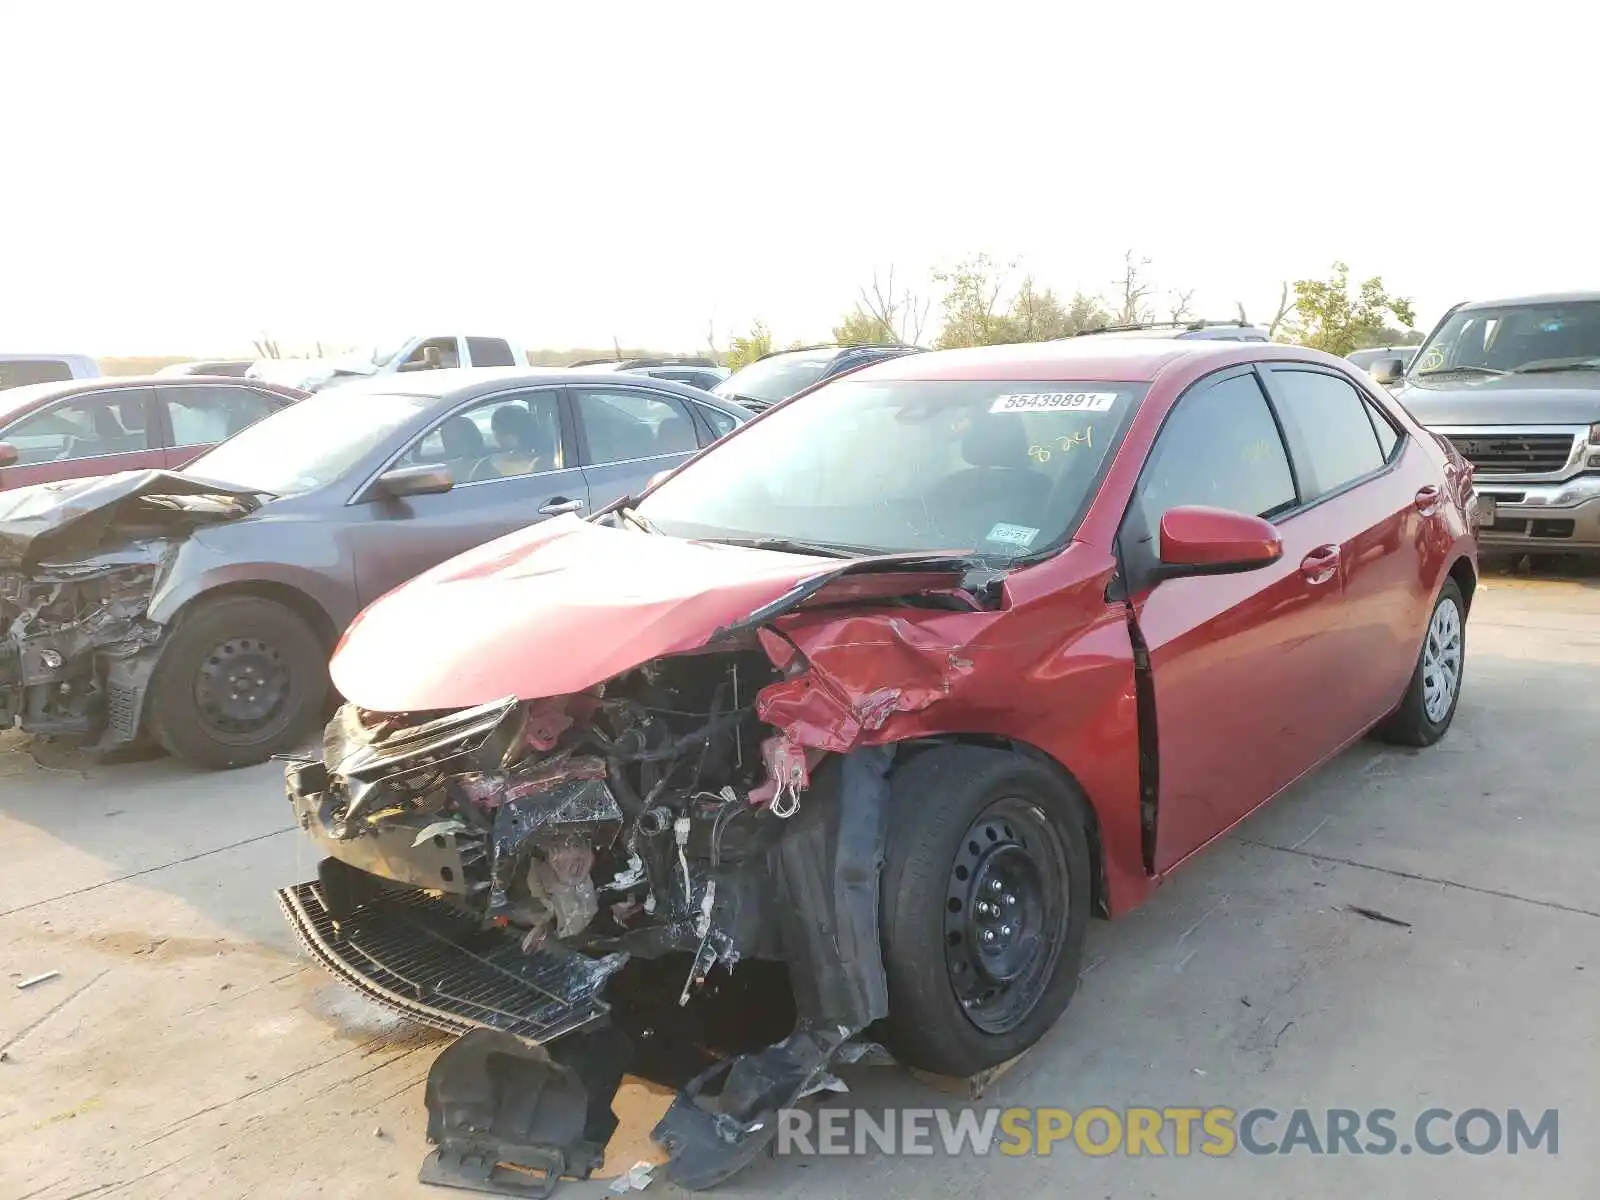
794,546
1476,370
1582,364
631,515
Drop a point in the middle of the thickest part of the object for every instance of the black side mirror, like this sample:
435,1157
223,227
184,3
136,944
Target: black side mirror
427,480
1388,370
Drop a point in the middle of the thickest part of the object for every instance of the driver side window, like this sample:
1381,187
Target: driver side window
501,436
1220,447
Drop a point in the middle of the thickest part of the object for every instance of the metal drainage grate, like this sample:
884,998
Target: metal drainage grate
418,955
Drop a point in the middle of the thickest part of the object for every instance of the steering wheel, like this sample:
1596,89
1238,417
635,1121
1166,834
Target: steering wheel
483,469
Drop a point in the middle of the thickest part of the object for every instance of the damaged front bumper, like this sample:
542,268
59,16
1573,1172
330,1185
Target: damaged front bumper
492,871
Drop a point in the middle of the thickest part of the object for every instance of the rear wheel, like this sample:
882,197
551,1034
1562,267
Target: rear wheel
240,679
1435,689
985,907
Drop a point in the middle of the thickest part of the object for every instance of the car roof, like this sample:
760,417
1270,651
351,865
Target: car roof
1091,359
463,383
1540,298
31,395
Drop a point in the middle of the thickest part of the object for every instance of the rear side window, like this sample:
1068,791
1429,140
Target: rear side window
626,424
1219,447
18,371
203,416
719,421
1328,426
490,352
1388,435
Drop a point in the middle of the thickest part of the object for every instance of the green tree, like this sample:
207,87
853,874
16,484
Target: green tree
747,349
862,329
1328,316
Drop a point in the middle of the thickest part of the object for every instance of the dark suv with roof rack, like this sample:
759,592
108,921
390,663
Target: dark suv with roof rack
783,373
1515,386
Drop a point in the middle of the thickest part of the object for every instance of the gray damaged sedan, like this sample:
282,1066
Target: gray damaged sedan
199,608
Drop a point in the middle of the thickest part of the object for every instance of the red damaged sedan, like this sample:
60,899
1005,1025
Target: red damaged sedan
895,686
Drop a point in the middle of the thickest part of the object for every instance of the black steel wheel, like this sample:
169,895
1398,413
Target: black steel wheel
985,905
1007,903
240,678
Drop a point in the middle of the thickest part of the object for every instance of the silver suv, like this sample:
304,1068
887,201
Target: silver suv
1515,385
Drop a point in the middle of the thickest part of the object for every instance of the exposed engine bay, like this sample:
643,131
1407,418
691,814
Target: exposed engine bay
79,565
493,868
77,646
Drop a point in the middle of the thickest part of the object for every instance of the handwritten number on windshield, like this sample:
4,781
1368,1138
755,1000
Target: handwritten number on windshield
1041,452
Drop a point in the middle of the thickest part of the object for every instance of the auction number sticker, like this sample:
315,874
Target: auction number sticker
1025,402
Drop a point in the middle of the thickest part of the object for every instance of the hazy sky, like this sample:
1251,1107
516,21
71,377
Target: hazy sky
182,178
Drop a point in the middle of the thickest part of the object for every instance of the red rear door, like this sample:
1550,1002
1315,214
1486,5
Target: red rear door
82,435
1241,664
1372,494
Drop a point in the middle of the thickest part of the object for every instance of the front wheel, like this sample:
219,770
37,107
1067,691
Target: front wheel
1435,689
985,907
240,679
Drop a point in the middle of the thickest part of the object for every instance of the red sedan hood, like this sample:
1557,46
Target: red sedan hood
551,610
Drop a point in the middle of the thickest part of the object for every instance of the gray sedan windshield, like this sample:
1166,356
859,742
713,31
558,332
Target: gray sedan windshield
310,444
997,468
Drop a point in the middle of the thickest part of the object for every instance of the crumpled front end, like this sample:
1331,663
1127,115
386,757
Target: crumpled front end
495,868
76,648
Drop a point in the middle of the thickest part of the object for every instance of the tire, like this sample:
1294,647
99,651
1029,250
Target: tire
960,808
1412,724
190,709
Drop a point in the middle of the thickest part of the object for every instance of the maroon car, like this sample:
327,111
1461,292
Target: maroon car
83,427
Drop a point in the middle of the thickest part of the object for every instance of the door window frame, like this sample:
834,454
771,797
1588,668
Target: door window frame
1136,548
151,409
1264,371
569,448
649,393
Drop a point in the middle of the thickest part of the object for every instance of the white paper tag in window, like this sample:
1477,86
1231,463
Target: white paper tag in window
1025,402
1012,535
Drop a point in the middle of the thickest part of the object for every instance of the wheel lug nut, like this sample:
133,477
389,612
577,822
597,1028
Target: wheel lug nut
1010,899
994,885
1005,931
988,935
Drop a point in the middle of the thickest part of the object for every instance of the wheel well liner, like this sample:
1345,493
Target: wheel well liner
1466,579
292,598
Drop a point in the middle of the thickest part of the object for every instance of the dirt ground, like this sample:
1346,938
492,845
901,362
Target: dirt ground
187,1049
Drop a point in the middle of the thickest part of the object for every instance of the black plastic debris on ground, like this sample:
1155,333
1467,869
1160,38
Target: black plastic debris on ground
514,1120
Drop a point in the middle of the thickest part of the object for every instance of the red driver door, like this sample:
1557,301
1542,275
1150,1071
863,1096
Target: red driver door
1239,662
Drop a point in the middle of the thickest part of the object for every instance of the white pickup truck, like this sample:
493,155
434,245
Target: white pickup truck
431,353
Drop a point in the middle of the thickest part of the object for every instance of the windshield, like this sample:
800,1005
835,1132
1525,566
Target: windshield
777,378
1515,337
1000,469
310,444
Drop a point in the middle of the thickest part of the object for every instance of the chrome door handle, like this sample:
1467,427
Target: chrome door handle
561,506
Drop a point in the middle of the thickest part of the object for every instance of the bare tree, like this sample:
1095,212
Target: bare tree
1178,306
1239,305
902,316
266,347
711,338
1285,307
1134,290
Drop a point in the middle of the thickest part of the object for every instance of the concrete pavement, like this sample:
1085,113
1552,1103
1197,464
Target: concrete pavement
187,1049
